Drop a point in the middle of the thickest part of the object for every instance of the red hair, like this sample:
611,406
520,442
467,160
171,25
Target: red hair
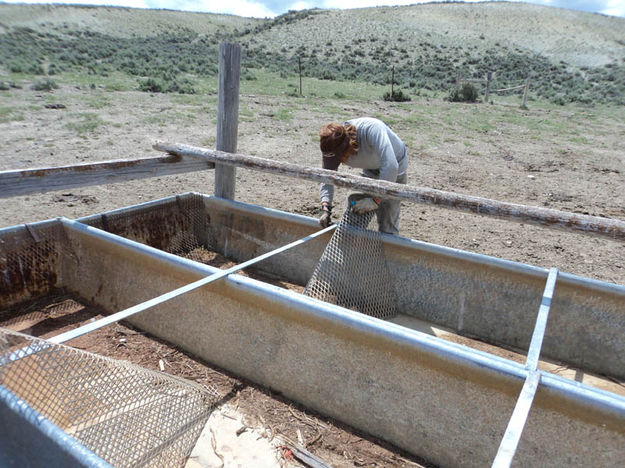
333,137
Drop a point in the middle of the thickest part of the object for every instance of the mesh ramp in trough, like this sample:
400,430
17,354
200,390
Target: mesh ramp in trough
125,414
353,272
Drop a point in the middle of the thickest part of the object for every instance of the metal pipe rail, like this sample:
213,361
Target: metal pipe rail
607,227
124,314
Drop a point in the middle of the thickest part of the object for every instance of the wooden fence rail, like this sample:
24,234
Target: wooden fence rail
46,179
607,227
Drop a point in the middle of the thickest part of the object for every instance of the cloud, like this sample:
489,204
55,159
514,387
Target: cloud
301,6
614,8
122,3
247,8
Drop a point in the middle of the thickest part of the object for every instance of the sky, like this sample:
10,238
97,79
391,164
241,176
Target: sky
271,8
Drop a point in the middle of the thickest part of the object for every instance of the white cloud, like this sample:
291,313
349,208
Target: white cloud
247,8
614,8
301,6
122,3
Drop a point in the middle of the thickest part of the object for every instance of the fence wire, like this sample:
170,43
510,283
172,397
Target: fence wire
353,272
127,415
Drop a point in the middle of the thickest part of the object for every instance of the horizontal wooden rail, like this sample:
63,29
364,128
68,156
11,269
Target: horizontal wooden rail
607,227
47,179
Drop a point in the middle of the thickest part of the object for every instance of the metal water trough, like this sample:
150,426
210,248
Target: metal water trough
442,401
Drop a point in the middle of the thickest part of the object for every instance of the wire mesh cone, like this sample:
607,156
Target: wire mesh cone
127,415
353,272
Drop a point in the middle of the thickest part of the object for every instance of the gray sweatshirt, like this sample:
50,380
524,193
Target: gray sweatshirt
379,149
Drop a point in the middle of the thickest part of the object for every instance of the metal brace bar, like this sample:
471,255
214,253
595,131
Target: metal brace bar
69,335
517,421
541,322
511,437
33,233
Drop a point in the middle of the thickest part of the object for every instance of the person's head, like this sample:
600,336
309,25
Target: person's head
337,143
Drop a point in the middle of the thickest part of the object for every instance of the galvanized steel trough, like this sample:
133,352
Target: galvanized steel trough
440,400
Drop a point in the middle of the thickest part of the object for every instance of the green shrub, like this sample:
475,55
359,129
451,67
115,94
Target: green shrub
339,95
4,86
153,85
249,76
397,96
466,93
45,84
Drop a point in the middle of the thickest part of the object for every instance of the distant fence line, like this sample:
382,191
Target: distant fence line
489,76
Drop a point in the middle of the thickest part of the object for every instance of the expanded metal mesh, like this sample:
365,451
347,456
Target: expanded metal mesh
353,272
30,261
127,415
178,226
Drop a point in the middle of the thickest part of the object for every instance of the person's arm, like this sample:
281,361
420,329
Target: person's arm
327,194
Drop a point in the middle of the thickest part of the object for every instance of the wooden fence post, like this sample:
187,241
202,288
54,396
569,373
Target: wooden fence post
393,84
227,115
299,64
489,76
525,91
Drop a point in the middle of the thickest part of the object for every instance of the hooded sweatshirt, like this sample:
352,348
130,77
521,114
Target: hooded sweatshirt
379,149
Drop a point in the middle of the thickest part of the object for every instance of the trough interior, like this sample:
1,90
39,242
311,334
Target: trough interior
59,311
183,226
221,234
479,297
82,263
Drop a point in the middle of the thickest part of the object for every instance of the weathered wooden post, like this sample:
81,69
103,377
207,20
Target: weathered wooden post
393,84
489,76
525,91
227,115
299,64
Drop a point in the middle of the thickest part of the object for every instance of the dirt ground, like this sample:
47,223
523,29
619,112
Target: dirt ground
566,158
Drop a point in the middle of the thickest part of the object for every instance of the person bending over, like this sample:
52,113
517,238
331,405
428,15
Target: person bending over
368,144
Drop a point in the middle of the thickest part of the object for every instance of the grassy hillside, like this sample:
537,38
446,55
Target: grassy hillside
571,56
115,21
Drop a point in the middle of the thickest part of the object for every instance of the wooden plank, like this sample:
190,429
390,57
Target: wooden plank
608,227
227,115
47,179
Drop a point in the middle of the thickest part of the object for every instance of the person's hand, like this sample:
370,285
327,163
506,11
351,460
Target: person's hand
364,205
326,218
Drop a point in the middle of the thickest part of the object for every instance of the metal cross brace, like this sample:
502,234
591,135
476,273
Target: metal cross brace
517,421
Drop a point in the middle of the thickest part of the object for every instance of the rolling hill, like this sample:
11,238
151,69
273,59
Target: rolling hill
571,56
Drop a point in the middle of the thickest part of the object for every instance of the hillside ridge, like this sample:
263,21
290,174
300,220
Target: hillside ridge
569,55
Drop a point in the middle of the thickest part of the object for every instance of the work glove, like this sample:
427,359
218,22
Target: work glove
326,218
364,205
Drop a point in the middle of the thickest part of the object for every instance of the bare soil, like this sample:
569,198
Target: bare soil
568,159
